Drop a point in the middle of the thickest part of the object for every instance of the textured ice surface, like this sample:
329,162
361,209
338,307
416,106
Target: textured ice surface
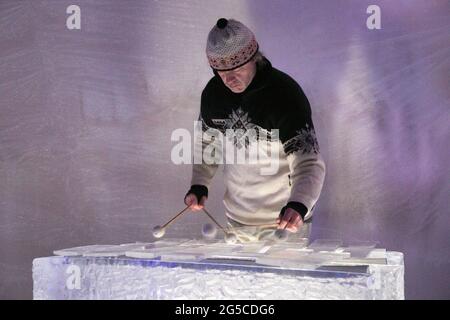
126,278
180,269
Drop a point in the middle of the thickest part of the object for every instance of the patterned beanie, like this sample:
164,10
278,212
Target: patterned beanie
230,45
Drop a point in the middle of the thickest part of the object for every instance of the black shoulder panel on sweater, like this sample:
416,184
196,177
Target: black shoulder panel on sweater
273,100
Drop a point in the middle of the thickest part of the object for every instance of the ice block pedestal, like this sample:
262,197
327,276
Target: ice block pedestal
217,271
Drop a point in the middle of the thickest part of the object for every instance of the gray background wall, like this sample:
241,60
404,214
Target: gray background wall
86,118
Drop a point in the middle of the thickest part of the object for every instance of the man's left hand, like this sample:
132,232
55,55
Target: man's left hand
291,219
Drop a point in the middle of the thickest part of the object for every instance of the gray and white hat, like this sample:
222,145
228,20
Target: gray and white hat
230,45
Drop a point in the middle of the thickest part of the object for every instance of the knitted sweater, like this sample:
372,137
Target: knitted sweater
273,100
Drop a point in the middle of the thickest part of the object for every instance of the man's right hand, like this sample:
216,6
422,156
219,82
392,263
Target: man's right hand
191,201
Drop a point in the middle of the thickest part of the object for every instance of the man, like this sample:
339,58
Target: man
248,93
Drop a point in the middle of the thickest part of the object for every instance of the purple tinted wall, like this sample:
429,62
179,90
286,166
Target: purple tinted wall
86,118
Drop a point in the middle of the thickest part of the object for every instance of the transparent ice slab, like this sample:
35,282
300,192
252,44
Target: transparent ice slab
77,251
325,244
101,250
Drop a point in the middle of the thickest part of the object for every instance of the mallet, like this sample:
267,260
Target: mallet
230,237
214,220
159,231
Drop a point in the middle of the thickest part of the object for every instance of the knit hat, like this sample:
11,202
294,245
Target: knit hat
230,45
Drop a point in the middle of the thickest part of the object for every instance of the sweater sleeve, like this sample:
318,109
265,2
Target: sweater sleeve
207,149
297,134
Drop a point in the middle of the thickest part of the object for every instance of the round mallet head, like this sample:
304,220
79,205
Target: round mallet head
230,238
209,231
158,232
281,235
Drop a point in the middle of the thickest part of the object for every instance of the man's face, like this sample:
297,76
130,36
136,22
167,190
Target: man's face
237,80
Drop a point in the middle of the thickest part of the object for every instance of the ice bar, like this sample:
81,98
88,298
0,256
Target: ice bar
199,269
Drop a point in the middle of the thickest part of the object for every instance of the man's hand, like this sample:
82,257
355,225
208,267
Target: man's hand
191,201
291,219
196,196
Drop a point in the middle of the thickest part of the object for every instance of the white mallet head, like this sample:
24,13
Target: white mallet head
158,232
209,231
281,234
230,238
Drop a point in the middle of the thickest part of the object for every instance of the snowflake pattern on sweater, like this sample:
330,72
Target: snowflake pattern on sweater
245,131
305,141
